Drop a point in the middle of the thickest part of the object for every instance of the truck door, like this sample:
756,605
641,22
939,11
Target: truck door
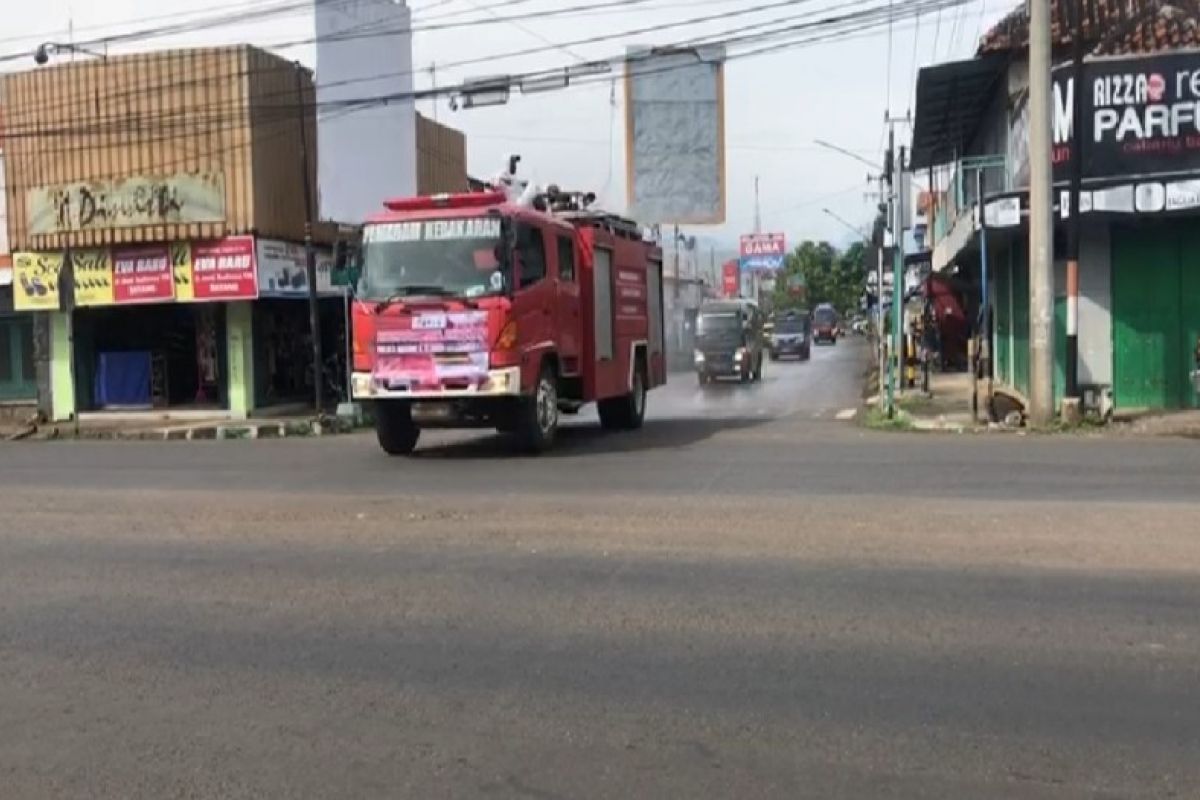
567,312
533,300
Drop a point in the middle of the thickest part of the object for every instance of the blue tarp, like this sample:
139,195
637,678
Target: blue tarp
123,379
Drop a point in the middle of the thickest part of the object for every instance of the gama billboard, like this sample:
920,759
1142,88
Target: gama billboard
763,251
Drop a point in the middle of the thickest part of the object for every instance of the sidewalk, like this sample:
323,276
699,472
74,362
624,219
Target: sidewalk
947,406
143,428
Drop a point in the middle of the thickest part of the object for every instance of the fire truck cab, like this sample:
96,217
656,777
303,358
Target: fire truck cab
485,310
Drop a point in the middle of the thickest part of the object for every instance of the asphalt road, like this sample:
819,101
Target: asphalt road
749,598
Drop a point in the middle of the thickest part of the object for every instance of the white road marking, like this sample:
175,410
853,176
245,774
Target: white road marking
847,414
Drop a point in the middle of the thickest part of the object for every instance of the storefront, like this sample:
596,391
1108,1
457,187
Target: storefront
217,326
18,375
282,338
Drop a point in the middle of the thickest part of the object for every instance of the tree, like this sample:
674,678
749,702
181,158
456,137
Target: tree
828,275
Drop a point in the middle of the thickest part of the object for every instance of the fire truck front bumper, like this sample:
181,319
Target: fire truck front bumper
498,383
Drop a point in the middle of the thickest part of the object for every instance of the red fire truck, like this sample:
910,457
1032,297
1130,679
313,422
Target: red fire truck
492,310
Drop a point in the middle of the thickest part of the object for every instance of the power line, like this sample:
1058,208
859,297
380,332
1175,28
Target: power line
888,67
848,26
526,29
652,29
259,15
215,156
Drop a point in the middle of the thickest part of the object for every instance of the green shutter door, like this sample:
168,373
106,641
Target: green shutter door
1146,318
1189,297
1003,322
17,377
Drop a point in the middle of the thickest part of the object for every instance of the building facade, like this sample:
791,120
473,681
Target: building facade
368,154
1139,141
156,209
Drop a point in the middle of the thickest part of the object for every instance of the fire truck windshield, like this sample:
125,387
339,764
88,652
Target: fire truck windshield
459,257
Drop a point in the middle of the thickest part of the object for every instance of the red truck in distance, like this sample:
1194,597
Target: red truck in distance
489,310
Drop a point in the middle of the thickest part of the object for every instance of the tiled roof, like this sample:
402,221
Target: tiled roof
1110,27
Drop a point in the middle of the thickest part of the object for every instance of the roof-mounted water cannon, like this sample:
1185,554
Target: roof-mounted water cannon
560,201
507,181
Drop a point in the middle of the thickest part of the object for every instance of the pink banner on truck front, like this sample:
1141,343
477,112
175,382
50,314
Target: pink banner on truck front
428,350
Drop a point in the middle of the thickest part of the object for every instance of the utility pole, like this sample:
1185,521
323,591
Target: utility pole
310,256
890,175
985,338
894,170
1079,134
757,209
1041,219
898,271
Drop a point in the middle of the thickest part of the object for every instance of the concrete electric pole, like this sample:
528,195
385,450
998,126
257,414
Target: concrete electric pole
1041,218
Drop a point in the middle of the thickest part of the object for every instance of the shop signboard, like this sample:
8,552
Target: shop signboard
142,274
729,279
181,267
92,271
223,269
424,350
283,270
1141,116
129,202
763,251
35,281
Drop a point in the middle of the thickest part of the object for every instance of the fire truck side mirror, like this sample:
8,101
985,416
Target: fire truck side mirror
344,273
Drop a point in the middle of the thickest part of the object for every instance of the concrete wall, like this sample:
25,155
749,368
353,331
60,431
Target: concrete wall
1095,306
370,155
1095,303
441,158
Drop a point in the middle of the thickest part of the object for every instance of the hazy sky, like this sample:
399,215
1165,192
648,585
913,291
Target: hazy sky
776,105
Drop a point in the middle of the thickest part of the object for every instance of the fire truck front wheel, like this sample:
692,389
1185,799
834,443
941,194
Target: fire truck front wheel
395,429
537,417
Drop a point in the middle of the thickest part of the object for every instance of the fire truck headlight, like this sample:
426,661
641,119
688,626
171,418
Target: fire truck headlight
739,355
698,357
361,384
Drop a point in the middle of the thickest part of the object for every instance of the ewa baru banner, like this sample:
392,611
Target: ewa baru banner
143,274
224,269
763,251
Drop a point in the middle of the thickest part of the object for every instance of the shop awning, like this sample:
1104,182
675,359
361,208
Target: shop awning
952,100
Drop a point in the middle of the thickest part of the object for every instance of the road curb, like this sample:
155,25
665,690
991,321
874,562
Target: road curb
221,432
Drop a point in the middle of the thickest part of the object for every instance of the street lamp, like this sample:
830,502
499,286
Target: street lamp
849,153
41,55
858,231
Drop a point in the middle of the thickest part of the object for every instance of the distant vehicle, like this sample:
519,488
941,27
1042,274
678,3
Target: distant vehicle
729,341
792,335
825,324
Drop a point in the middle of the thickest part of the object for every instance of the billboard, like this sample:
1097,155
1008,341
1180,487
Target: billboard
729,279
763,251
675,135
1141,116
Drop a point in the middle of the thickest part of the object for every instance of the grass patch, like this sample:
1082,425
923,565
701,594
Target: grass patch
877,419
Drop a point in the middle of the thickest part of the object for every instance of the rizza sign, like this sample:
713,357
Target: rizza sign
1142,116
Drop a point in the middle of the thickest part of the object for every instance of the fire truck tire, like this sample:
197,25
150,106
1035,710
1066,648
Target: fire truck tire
395,430
628,412
537,417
